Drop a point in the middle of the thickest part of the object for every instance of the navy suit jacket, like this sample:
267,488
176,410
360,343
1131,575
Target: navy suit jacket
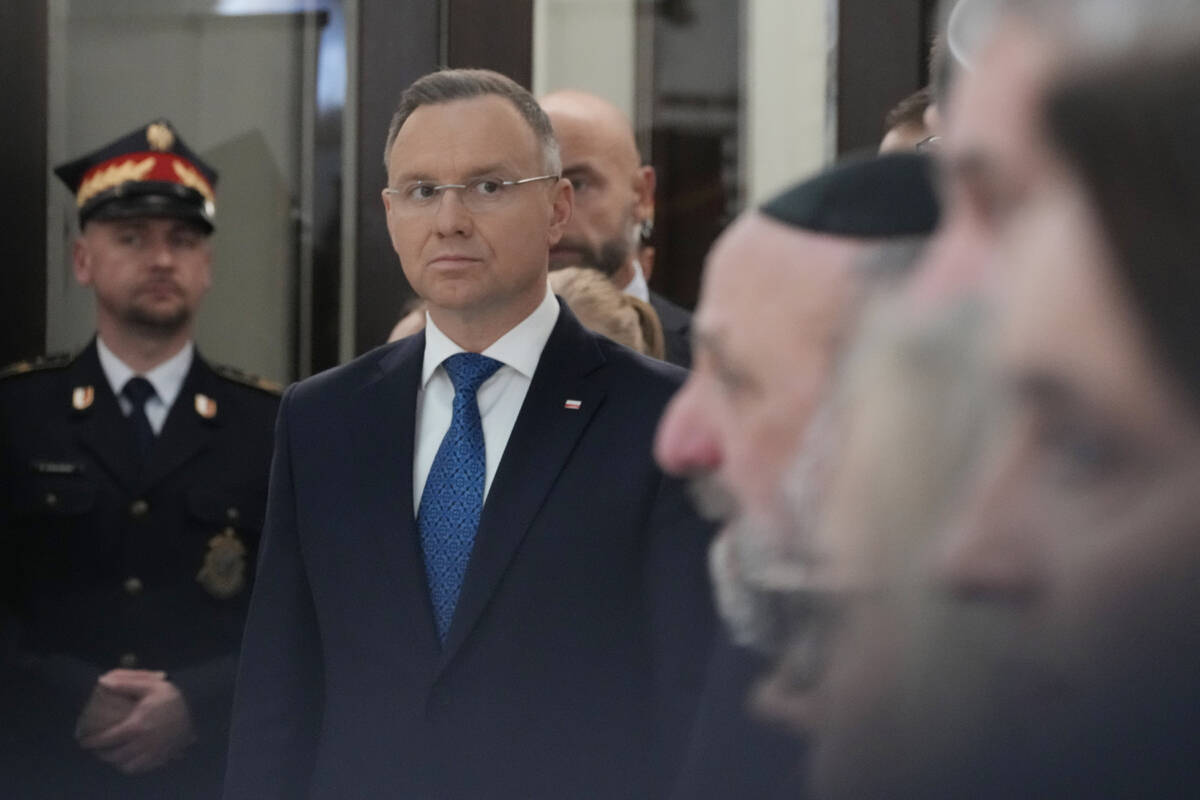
576,654
677,330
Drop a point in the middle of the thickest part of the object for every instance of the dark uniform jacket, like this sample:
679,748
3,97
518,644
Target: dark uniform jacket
104,564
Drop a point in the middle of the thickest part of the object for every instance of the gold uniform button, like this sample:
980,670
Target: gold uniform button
139,508
133,585
129,660
51,499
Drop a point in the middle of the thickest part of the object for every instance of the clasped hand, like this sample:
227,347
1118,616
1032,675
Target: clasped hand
135,720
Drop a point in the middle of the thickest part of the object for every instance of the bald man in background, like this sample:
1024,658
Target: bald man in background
614,205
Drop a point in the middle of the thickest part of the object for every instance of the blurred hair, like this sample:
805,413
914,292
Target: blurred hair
605,309
449,85
1130,131
943,70
909,111
1092,29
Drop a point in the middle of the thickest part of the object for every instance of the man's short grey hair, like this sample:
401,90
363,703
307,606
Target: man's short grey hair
448,85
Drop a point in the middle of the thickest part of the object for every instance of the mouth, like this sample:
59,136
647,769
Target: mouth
452,260
161,288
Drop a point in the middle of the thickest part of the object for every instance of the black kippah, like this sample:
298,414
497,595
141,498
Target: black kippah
863,198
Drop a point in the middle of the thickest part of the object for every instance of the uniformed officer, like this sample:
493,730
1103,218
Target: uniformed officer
134,479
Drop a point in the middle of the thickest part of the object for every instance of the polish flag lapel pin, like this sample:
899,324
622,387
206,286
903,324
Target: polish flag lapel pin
572,405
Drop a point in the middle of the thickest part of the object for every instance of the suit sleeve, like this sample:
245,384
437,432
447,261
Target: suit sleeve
278,698
682,619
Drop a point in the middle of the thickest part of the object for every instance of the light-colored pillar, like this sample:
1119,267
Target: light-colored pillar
790,103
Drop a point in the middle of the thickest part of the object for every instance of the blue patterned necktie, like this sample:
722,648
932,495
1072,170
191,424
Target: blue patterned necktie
137,390
453,497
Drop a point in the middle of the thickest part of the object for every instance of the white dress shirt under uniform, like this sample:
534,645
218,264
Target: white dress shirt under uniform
500,397
166,378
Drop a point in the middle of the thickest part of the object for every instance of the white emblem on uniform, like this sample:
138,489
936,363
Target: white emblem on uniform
82,397
205,406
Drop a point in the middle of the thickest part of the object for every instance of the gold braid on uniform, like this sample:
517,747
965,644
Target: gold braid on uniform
246,379
39,364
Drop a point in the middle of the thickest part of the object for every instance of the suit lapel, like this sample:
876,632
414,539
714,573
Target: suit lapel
541,442
383,454
100,427
186,433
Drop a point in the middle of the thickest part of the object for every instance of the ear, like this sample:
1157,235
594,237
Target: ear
562,203
387,214
81,261
208,253
644,186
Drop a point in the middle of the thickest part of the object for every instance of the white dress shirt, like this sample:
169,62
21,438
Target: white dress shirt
500,397
637,286
166,378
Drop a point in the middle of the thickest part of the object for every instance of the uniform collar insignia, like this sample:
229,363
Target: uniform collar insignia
82,397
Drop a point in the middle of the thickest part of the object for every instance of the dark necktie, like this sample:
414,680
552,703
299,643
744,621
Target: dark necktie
453,496
137,391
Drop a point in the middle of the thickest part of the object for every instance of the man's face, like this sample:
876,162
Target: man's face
483,263
771,312
613,192
148,274
990,154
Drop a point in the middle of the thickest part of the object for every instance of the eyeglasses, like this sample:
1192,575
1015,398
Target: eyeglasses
929,144
479,196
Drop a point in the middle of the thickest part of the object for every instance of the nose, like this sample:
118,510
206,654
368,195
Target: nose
451,216
162,252
687,442
994,550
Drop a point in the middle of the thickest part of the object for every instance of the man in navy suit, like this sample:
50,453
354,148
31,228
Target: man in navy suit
474,580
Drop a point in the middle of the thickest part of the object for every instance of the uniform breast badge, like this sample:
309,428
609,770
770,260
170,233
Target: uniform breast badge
224,572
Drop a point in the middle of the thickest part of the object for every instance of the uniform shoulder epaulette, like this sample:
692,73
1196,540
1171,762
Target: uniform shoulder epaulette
39,364
246,379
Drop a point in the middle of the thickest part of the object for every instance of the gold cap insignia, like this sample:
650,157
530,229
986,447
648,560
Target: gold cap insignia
159,136
205,406
224,572
82,398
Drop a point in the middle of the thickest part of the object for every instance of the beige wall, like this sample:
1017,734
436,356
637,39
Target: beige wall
585,44
790,113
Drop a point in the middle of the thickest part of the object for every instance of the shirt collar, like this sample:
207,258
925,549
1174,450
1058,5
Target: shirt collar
637,286
166,378
520,348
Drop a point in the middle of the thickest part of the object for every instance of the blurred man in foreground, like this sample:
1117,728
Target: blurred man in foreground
1036,637
779,297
